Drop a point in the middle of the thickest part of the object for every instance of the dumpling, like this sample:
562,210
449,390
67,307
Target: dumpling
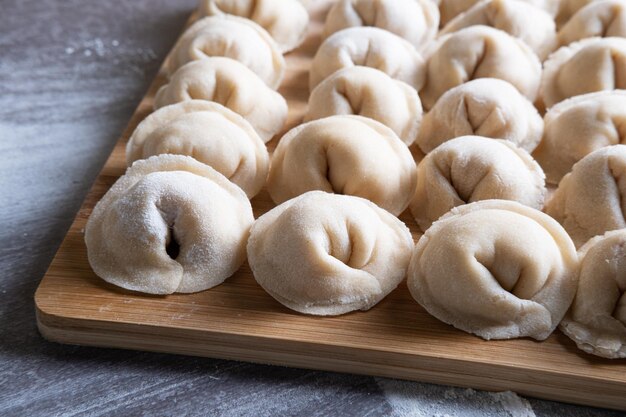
605,18
597,319
231,84
449,9
567,9
231,37
590,65
416,21
350,155
209,132
370,93
473,168
285,20
484,107
591,200
328,254
578,126
497,269
170,224
368,47
519,19
480,52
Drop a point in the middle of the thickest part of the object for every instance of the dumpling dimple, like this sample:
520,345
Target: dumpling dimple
591,199
368,47
211,134
479,52
606,18
483,107
449,9
473,168
578,126
285,20
350,155
231,84
594,64
231,37
170,224
597,319
519,19
370,93
328,254
416,21
497,269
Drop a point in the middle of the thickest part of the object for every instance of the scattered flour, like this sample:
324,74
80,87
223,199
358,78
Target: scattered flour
513,404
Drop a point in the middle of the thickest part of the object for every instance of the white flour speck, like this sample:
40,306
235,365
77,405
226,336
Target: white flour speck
513,404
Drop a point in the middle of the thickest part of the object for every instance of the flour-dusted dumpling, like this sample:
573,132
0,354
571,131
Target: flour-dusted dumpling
606,18
480,52
517,18
209,132
231,37
590,65
597,319
368,47
328,254
416,21
170,224
346,155
449,9
567,9
231,84
578,126
370,93
484,107
473,168
497,269
591,199
285,20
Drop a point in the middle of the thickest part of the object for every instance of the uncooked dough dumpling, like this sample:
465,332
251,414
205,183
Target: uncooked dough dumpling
170,224
368,47
351,155
231,84
416,21
328,254
497,269
591,199
285,20
606,18
209,132
231,37
473,168
449,9
480,52
590,65
597,319
483,107
519,19
578,126
567,9
370,93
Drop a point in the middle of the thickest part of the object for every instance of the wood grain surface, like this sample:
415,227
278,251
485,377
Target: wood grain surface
238,320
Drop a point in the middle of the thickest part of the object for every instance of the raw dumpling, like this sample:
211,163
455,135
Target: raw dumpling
416,21
484,107
480,52
346,155
209,132
370,93
452,8
170,224
368,47
591,199
567,9
497,269
578,126
285,20
590,65
473,168
231,84
597,319
517,18
605,18
231,37
328,254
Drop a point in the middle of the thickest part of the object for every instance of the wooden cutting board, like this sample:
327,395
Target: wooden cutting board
238,320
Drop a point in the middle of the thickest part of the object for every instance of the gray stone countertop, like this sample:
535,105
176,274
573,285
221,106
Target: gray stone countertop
71,74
